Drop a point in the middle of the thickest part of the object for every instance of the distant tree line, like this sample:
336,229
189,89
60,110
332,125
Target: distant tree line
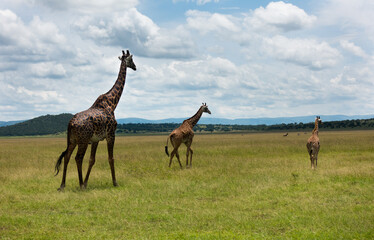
146,127
55,124
168,127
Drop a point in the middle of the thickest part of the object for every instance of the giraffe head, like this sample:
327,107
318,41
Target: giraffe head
127,57
205,108
318,119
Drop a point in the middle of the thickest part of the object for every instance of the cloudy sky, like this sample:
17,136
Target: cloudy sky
245,59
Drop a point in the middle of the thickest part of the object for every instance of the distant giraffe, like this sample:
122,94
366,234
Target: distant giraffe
184,134
93,125
313,144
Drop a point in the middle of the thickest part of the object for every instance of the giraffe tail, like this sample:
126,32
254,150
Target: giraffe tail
59,161
166,147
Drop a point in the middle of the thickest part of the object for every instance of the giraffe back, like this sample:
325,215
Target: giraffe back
92,125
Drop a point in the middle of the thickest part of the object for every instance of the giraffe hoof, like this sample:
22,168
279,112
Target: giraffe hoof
115,184
61,188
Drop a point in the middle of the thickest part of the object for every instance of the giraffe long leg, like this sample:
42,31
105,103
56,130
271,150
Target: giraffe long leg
92,162
171,157
191,151
311,154
174,153
79,160
175,143
110,145
179,161
311,158
317,153
71,148
188,153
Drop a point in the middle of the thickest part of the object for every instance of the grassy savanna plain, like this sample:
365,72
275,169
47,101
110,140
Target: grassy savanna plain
241,186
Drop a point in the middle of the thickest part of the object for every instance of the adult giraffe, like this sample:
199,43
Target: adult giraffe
184,134
93,125
313,144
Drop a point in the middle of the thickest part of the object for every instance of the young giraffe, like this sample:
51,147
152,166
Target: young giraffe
184,134
93,125
313,144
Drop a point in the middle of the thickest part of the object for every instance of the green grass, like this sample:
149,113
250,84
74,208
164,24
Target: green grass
250,186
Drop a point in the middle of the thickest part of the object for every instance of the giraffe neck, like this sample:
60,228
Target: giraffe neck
315,130
195,118
109,100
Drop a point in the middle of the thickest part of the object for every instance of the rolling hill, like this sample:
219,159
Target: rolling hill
43,125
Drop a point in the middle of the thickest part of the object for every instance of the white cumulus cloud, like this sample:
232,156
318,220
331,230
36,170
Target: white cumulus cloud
206,22
31,41
305,52
48,69
352,48
137,32
280,16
